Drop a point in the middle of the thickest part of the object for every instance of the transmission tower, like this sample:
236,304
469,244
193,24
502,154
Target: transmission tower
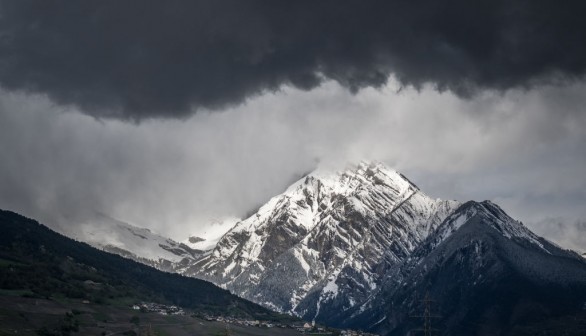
427,316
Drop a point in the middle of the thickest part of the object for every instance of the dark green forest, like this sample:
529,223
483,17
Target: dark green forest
38,262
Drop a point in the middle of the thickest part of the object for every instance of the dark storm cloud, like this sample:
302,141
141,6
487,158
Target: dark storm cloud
140,59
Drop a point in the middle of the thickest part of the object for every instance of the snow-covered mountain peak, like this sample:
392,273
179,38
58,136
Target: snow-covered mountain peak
365,187
363,218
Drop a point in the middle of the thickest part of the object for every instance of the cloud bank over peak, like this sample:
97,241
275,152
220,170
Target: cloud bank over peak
174,176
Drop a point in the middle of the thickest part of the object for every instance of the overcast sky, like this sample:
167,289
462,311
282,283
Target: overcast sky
169,117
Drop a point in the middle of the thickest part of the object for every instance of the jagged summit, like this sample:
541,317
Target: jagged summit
357,176
321,186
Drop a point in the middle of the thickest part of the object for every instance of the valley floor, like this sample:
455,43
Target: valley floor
27,316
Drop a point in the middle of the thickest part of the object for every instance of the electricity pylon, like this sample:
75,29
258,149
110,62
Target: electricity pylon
427,316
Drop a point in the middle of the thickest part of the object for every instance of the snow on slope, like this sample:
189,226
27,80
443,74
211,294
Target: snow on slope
130,241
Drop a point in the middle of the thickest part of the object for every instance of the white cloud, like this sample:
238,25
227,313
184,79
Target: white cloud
524,150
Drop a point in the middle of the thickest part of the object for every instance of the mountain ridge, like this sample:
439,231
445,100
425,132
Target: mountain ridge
496,274
335,247
341,237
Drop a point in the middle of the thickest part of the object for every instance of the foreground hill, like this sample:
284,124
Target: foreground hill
41,263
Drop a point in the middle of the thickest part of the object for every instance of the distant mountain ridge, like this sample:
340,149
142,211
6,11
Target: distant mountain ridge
139,244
